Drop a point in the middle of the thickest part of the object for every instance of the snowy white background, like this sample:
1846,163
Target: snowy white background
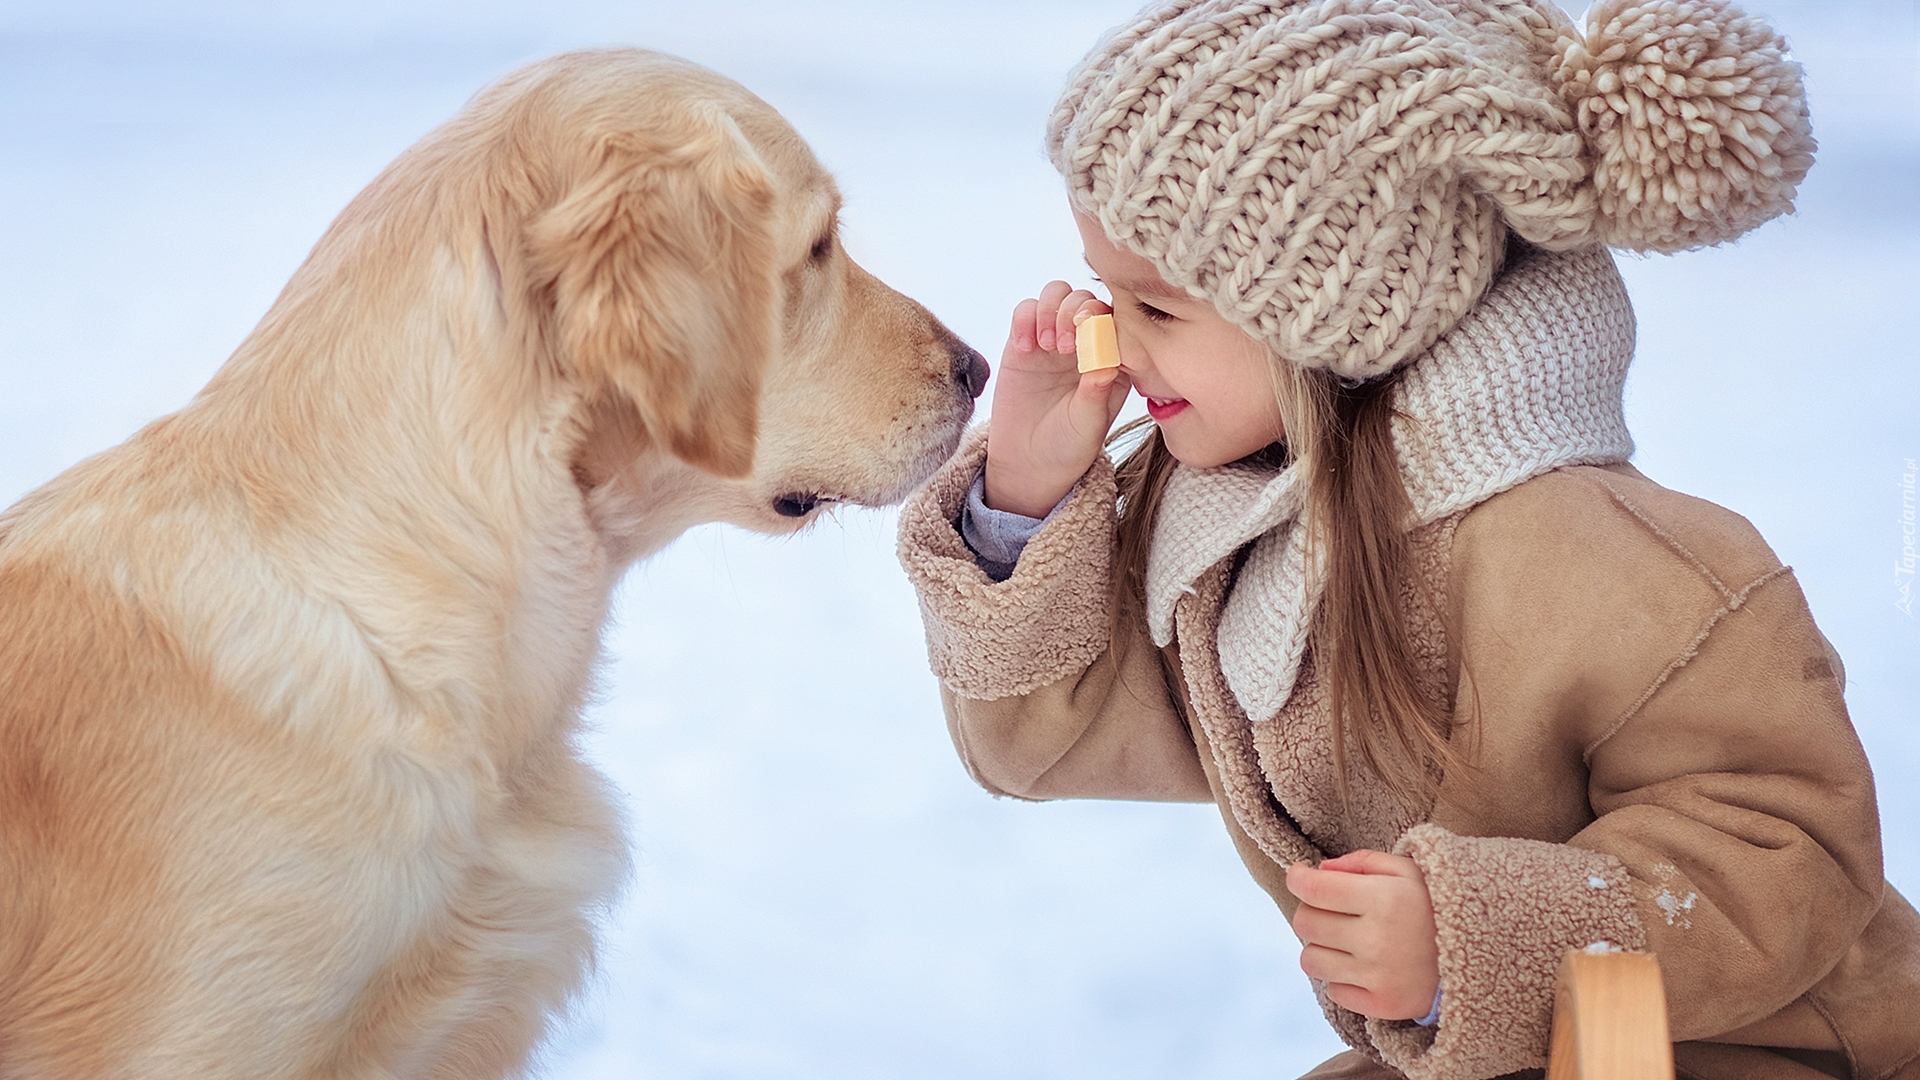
820,891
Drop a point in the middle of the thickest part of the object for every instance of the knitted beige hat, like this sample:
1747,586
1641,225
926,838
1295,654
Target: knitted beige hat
1337,177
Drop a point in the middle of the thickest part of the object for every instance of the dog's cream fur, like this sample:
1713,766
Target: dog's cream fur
289,682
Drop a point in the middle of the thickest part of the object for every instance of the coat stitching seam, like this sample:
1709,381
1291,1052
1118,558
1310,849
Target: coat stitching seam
1899,1065
1846,1045
1669,539
1734,603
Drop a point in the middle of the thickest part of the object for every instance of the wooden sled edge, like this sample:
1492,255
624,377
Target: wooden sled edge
1610,1018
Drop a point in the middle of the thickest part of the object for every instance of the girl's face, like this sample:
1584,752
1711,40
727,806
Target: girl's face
1208,385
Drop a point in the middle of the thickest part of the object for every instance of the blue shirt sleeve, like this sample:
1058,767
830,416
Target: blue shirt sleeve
1433,1014
997,537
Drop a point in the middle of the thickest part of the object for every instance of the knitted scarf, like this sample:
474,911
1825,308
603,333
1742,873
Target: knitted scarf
1529,380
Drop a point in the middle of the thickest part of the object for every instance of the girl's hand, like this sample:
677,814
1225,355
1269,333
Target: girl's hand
1366,923
1049,421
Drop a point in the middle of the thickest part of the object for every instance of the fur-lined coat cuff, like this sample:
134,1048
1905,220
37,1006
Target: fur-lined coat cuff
1506,912
1050,620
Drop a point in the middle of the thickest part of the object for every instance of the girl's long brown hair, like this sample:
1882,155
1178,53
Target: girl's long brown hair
1357,509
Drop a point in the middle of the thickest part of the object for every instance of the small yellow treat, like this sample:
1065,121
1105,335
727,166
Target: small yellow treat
1097,344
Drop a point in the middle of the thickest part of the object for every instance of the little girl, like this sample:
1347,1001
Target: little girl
1469,690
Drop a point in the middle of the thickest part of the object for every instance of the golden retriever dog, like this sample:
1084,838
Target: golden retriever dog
290,681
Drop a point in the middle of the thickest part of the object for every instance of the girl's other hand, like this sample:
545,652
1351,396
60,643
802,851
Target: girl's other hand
1366,926
1049,421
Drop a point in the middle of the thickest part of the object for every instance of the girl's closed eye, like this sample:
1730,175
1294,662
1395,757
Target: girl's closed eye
1152,314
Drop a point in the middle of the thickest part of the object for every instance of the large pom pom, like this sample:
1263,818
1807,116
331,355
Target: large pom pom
1695,117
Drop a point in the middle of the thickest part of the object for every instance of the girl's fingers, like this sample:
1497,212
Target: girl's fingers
1083,311
1092,305
1063,318
1092,408
1021,336
1365,861
1333,890
1328,929
1046,316
1351,988
1117,392
1053,315
1329,965
1355,998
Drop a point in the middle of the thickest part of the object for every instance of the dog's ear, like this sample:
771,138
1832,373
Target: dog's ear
660,263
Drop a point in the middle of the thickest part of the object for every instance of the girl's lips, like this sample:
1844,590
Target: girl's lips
1162,408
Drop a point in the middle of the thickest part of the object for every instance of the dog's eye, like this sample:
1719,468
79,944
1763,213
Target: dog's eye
822,249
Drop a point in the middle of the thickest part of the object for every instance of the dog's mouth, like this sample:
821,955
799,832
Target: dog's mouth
797,504
802,503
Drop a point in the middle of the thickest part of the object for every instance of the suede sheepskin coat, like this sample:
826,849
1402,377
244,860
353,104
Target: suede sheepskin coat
1661,760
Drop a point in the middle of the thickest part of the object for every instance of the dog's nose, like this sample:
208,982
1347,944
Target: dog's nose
970,370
